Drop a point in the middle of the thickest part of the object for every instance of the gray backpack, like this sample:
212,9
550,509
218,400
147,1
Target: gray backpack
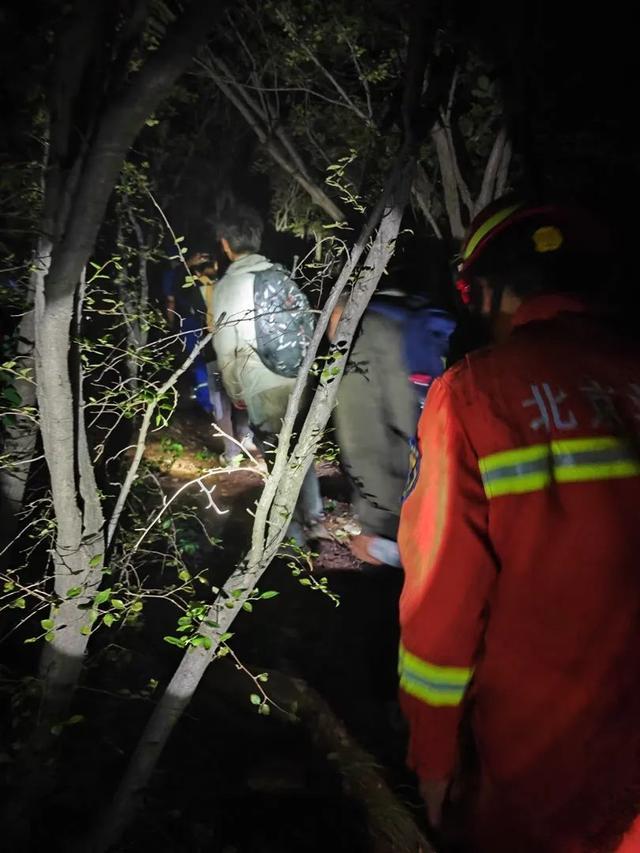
283,320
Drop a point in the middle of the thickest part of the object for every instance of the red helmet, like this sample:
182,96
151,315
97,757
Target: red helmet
530,231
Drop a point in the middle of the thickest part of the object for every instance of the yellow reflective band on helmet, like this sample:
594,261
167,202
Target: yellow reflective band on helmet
435,685
485,228
530,469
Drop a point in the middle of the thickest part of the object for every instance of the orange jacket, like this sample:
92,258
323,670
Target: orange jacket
521,547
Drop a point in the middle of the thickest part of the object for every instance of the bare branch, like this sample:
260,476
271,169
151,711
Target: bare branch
362,78
316,192
421,191
142,435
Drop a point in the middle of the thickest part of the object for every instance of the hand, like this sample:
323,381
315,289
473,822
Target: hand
359,546
433,793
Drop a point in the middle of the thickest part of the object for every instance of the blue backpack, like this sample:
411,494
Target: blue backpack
427,331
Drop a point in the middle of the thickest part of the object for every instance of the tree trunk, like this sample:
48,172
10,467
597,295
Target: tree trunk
496,166
20,438
449,182
85,189
79,539
392,829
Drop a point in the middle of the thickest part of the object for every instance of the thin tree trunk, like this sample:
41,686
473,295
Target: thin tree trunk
135,300
449,182
492,170
275,504
503,170
20,437
79,538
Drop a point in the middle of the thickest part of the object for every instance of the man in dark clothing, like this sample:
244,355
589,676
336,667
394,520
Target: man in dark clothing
376,416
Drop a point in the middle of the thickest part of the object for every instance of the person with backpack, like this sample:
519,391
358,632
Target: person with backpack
399,349
263,328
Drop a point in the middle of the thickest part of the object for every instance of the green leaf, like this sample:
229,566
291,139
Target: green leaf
96,561
75,719
225,637
47,624
184,575
108,619
137,606
31,640
102,596
49,636
173,641
20,603
11,396
255,699
74,592
207,644
85,630
248,607
117,603
8,586
269,594
305,581
264,676
264,709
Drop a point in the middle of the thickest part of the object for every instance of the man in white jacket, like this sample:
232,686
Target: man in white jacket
248,382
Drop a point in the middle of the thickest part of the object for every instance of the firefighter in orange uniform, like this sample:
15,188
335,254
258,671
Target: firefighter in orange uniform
520,540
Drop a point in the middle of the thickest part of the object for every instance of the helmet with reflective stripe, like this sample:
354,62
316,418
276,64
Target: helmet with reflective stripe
527,234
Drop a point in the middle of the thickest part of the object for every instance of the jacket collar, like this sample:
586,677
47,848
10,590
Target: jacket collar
547,306
247,262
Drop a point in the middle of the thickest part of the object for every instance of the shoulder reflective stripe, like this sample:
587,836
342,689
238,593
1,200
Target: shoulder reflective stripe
485,228
528,469
435,685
